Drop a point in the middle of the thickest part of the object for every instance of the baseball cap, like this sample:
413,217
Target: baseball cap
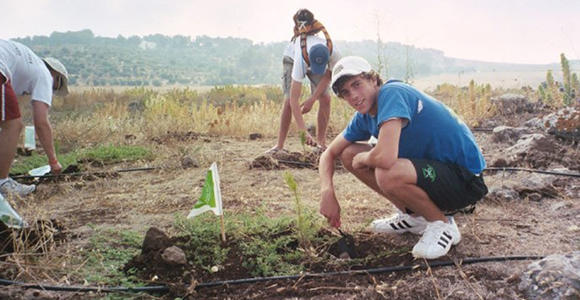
348,66
56,65
318,56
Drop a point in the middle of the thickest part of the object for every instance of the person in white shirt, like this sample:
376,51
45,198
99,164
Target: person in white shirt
22,72
308,55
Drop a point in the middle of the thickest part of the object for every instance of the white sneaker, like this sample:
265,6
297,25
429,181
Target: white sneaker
13,188
400,223
437,239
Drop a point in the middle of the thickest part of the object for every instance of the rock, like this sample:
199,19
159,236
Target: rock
507,134
565,123
508,104
155,240
536,197
531,142
530,146
189,162
174,256
266,162
537,186
502,194
255,136
554,277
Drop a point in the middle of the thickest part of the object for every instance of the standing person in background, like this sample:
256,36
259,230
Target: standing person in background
426,161
23,73
308,55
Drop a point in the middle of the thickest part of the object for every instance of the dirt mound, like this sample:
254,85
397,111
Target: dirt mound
295,160
153,264
173,136
298,160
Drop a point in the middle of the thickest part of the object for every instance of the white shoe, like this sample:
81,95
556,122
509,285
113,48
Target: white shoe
13,188
437,239
400,223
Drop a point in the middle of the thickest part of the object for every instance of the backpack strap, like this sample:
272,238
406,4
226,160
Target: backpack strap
313,28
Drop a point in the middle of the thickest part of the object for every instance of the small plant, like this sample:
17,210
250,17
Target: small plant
264,244
202,233
556,94
302,135
304,224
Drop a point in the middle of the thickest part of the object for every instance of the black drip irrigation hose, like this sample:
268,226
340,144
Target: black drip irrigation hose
533,171
163,288
483,129
84,173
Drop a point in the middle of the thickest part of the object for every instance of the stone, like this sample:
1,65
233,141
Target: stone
189,162
502,134
554,277
502,194
536,186
508,104
255,136
565,123
174,256
155,240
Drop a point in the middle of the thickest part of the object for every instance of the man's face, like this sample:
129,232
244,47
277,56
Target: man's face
361,94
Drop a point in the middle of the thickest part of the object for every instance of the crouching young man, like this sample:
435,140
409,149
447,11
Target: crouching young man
426,161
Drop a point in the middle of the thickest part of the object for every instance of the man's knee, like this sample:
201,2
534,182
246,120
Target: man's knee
348,155
394,178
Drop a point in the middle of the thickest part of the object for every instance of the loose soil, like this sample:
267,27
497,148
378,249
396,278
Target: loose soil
139,201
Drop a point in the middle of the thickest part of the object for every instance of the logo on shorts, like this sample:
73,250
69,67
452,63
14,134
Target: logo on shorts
429,173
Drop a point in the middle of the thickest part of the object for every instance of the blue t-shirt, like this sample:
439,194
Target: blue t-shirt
433,131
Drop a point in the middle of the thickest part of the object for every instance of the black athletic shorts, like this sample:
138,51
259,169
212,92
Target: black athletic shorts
450,186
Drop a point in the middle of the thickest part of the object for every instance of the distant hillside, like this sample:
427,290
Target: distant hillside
179,60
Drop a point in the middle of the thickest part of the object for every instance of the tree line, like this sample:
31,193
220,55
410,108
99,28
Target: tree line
159,60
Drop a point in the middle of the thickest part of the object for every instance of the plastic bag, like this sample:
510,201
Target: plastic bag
9,216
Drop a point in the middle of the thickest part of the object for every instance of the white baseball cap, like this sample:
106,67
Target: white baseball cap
56,65
348,66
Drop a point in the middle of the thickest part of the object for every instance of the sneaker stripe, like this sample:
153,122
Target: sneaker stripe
447,235
441,244
406,224
394,226
444,239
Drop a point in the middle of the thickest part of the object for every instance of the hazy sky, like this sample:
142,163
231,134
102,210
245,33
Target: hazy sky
523,31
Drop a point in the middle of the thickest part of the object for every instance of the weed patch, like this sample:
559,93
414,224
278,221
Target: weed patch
109,250
110,154
103,155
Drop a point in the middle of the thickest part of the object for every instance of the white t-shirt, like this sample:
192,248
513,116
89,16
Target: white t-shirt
27,73
300,68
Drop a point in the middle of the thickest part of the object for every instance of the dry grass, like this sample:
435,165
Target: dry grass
105,116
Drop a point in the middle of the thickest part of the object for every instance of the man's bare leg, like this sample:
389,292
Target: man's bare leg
323,119
9,136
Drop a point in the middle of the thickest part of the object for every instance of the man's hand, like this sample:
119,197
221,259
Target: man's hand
307,105
55,167
330,208
307,139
